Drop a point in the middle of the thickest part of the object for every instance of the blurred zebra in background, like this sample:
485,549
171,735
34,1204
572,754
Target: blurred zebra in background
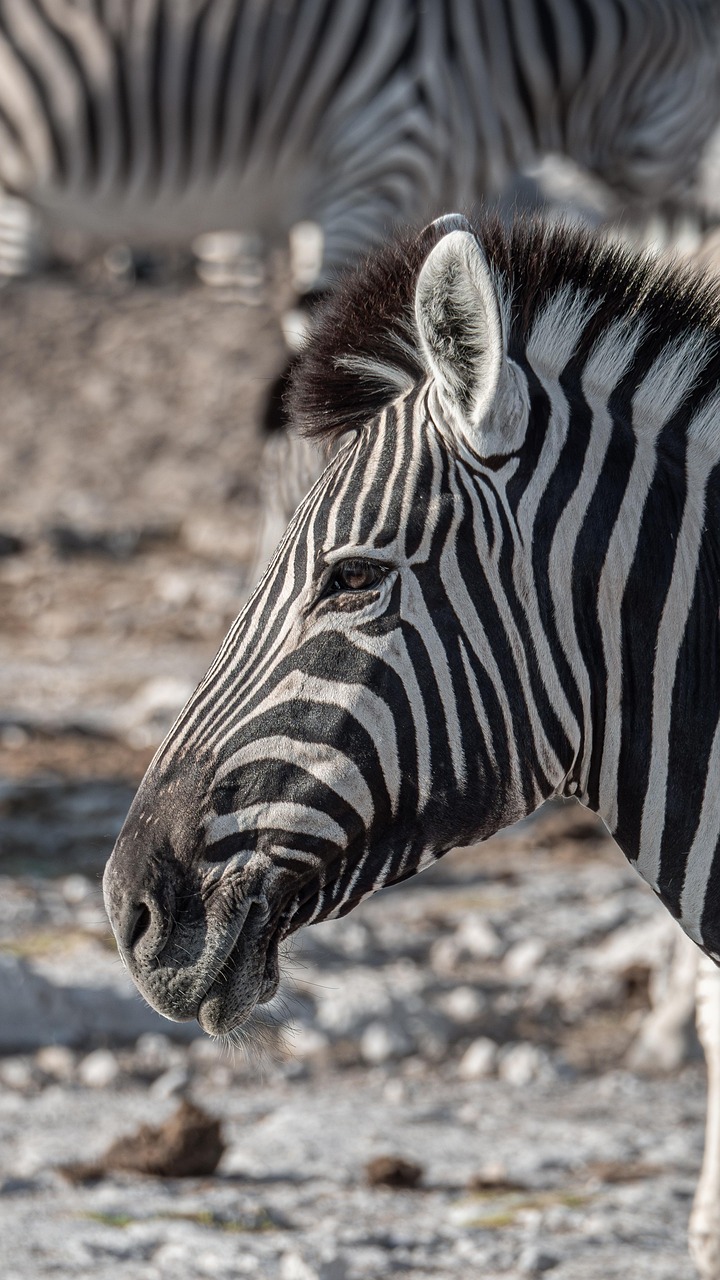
153,121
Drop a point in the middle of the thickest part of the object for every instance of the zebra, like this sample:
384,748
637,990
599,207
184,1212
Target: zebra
160,120
503,587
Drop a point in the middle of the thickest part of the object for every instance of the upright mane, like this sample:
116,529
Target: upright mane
365,349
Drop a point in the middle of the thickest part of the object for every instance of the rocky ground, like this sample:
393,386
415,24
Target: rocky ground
485,1022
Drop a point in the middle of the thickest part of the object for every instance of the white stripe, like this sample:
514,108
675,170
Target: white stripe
326,763
607,364
700,858
671,631
281,815
370,711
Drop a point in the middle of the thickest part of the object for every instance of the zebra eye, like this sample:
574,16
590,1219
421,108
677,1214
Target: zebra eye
356,575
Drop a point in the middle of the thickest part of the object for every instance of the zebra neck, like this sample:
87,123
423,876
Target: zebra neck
632,622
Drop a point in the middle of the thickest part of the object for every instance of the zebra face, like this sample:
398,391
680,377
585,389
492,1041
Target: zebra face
353,726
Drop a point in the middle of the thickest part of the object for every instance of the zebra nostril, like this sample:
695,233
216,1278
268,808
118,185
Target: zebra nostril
138,925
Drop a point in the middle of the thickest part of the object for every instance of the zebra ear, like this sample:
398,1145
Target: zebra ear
458,317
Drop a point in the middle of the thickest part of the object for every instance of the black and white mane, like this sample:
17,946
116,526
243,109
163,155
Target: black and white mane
365,350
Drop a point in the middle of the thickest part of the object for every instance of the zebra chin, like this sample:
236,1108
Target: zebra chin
226,979
245,982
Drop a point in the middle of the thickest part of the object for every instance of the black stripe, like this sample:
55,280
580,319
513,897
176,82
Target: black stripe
560,488
710,923
223,90
641,612
586,18
695,711
590,551
59,157
521,84
124,119
157,76
90,113
190,90
10,125
549,38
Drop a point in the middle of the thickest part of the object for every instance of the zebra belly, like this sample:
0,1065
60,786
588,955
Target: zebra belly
166,214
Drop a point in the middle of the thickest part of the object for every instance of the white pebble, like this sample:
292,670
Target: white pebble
464,1004
445,956
76,889
294,1267
56,1060
380,1043
170,1083
520,1064
16,1073
395,1092
534,1261
477,938
156,1052
523,959
479,1060
99,1069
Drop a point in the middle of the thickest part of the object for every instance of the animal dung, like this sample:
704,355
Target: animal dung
188,1145
393,1171
618,1171
494,1178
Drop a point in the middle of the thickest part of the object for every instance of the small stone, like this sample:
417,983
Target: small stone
476,937
76,889
156,1052
393,1171
533,1261
294,1267
521,1063
395,1092
99,1069
464,1004
479,1060
380,1043
171,1083
56,1060
523,959
17,1073
445,956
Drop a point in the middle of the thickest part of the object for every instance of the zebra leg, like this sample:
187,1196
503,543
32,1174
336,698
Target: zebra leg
705,1217
666,1038
21,237
306,243
234,261
296,324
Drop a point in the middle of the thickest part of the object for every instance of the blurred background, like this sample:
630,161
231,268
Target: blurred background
516,1025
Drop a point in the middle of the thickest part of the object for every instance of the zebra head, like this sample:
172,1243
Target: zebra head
419,666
